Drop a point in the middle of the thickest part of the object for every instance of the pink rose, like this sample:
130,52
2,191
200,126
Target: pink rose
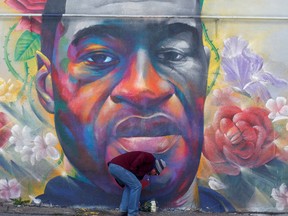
239,138
5,132
28,6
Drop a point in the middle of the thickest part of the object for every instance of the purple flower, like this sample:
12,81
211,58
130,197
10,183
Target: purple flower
244,70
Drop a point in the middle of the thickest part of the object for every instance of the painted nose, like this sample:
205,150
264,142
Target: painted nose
141,85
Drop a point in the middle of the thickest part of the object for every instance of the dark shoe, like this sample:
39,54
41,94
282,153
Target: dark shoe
123,213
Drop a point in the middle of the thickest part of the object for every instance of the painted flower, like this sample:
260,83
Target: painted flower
28,6
278,109
244,70
5,132
239,138
21,137
9,90
281,197
27,154
216,184
44,147
9,189
23,141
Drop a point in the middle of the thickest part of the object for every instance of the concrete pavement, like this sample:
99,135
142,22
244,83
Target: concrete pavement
8,209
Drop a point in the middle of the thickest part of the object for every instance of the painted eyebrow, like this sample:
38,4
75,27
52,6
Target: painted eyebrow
159,33
174,29
99,31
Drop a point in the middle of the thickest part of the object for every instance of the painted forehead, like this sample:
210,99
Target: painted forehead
74,26
134,7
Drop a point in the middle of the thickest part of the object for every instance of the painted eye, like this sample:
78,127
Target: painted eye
101,60
170,56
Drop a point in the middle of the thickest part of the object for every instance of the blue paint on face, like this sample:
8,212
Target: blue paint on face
139,87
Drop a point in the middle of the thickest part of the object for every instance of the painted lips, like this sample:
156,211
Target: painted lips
152,126
155,134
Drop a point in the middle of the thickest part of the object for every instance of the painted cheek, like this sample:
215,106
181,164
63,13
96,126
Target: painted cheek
76,71
89,99
62,85
71,53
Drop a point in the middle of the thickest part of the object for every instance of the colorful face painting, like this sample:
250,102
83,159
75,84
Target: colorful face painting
124,84
86,82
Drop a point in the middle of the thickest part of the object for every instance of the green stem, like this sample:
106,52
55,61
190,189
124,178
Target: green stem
217,57
210,42
216,74
25,80
6,55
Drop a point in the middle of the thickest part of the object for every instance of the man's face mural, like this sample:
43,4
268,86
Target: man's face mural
129,84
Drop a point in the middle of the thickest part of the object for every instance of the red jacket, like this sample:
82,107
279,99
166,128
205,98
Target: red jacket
137,162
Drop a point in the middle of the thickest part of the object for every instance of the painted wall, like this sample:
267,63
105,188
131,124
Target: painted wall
140,84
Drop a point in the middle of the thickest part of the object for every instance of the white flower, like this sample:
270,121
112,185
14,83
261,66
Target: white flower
21,138
33,149
23,141
9,189
216,184
27,154
281,197
278,108
44,147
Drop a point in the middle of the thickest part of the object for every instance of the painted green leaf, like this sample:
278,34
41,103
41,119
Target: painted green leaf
26,46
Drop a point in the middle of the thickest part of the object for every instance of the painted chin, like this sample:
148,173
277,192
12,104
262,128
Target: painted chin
172,149
159,134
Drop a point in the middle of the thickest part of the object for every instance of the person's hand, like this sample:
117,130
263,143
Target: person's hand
145,183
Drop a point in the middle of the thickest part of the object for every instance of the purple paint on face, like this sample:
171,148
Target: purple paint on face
132,84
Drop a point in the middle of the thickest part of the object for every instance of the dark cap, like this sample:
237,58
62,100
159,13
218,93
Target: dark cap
159,165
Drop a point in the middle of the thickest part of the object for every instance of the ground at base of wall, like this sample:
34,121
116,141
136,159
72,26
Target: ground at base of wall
10,209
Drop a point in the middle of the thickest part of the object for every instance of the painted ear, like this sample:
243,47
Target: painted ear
44,84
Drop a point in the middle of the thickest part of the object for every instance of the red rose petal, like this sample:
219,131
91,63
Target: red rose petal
225,112
5,132
16,5
267,154
33,6
30,24
227,168
225,125
221,140
241,138
250,118
246,152
210,152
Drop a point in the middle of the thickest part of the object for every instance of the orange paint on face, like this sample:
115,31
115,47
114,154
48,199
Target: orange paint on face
141,84
106,111
88,99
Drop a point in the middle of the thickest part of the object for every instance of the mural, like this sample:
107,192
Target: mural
80,85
